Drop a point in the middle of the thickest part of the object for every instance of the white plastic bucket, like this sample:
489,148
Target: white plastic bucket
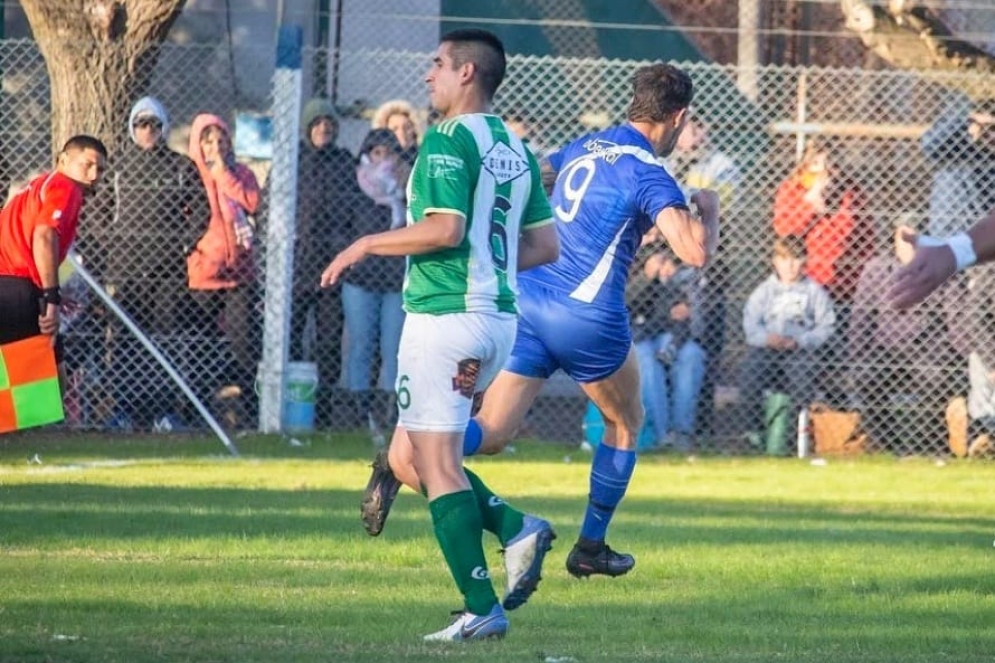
298,396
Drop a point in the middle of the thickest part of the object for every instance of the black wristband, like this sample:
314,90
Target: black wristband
51,296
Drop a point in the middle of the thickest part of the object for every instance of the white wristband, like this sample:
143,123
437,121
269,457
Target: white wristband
963,249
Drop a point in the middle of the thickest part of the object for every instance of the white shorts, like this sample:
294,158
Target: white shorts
443,361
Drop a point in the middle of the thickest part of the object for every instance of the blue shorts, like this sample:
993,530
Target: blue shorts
555,331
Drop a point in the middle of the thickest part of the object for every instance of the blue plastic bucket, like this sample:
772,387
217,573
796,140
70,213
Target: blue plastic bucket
298,396
594,428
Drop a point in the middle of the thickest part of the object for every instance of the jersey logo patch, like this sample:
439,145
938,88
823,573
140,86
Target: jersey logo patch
444,166
465,381
56,215
605,149
504,163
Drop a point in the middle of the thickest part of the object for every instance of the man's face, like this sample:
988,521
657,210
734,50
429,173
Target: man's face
85,166
443,80
148,132
324,131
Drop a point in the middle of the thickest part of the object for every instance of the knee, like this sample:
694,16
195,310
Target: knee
630,419
693,352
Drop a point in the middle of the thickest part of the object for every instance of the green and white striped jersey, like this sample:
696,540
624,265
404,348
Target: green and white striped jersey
473,166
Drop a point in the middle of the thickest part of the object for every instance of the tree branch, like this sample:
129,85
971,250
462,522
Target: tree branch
910,36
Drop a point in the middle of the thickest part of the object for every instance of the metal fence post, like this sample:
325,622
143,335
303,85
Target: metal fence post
287,85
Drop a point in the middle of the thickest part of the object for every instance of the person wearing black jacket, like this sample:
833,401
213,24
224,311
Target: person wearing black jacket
327,194
139,229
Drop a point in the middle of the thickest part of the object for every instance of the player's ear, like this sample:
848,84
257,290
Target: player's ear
680,117
468,71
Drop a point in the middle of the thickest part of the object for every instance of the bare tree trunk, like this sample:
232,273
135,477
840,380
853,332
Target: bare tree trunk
100,55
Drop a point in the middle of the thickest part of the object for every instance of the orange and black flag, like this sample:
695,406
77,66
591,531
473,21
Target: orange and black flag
29,384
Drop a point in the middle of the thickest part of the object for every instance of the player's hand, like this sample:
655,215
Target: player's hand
354,254
48,322
928,270
707,202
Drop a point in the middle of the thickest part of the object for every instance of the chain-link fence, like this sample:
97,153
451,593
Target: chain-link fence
839,157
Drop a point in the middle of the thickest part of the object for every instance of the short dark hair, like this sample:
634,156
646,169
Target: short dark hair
377,137
659,91
484,50
84,142
790,246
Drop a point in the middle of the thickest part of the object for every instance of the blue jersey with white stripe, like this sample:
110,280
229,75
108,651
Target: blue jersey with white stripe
609,189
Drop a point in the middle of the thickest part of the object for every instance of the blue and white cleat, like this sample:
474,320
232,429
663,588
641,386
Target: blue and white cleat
523,557
468,626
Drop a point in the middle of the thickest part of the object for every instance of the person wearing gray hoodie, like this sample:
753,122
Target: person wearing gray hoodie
787,319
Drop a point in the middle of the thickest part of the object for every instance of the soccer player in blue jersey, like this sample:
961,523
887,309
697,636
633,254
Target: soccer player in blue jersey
610,190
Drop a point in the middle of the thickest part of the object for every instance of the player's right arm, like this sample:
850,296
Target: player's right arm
45,252
693,238
936,262
441,230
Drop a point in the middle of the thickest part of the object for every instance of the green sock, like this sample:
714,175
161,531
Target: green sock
498,517
458,528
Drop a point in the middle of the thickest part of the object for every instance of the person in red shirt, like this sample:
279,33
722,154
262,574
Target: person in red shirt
37,228
820,203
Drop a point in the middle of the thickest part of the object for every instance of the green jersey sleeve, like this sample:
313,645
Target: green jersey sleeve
444,175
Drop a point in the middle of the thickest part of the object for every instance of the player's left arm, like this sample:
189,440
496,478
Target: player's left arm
539,242
538,245
693,238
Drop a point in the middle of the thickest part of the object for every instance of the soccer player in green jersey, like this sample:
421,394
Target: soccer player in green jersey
477,214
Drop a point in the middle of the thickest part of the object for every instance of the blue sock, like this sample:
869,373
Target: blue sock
611,470
472,438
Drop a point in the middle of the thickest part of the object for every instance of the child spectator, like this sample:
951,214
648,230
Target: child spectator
787,319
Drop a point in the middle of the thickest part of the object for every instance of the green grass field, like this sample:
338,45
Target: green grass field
136,550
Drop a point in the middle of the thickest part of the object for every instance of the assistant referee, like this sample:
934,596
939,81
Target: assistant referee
37,228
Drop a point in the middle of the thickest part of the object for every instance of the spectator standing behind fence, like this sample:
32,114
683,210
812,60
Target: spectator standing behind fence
371,290
660,295
697,163
822,204
786,320
971,422
220,267
399,116
327,197
901,361
960,147
37,228
140,232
